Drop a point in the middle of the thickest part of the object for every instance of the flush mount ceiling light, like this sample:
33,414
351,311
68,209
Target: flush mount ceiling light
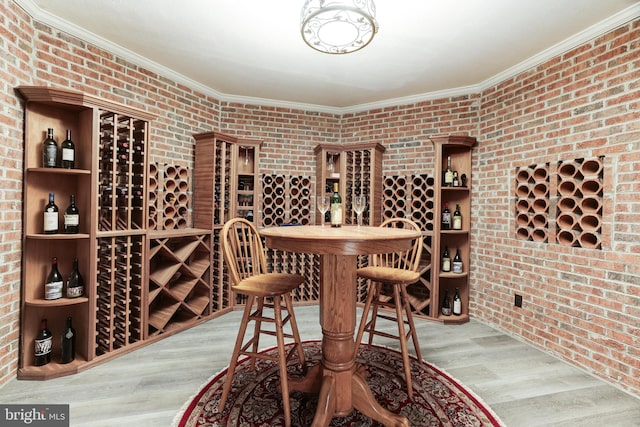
338,26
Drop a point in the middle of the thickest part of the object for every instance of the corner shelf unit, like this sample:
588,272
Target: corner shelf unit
459,148
110,154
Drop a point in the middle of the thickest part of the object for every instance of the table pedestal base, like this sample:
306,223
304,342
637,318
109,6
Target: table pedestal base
316,382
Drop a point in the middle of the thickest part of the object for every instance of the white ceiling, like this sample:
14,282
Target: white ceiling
252,51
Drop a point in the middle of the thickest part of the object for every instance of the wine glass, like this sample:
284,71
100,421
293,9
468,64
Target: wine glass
359,203
323,206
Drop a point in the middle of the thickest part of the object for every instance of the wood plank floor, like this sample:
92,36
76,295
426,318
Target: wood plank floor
147,387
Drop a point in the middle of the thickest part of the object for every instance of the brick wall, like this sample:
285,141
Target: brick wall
579,304
582,305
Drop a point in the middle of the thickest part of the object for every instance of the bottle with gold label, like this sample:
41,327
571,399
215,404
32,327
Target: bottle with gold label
336,207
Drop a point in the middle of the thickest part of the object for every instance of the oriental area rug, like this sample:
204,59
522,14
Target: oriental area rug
438,399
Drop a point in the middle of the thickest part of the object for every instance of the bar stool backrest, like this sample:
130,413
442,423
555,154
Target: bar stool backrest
406,260
243,250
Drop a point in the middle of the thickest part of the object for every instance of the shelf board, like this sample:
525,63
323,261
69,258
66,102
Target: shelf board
51,370
162,274
454,275
183,252
181,288
159,317
453,319
60,171
57,236
60,302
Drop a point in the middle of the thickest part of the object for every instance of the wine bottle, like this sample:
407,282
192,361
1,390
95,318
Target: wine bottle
68,160
68,343
72,217
43,345
49,151
336,207
446,217
448,174
446,305
75,283
457,218
457,263
54,283
456,180
457,303
51,216
446,260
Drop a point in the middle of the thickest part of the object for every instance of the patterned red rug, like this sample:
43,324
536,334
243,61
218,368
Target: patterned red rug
255,401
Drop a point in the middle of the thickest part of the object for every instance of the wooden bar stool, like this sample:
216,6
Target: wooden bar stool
395,270
245,257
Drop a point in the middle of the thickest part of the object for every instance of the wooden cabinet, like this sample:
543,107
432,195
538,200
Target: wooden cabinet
108,182
226,179
357,169
458,149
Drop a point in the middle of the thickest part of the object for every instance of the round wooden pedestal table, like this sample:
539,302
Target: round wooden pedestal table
338,379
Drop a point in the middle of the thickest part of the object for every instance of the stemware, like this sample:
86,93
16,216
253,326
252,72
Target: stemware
323,206
359,203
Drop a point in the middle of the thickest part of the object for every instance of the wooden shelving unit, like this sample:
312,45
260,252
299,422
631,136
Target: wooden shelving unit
108,181
459,149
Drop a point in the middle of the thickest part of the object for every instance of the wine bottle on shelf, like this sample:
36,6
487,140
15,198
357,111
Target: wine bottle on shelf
456,180
49,151
457,263
53,285
336,207
446,217
68,159
43,345
457,303
68,343
75,283
51,216
457,218
446,260
72,217
446,305
448,174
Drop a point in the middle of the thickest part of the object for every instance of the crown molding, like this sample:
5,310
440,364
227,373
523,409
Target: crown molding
621,18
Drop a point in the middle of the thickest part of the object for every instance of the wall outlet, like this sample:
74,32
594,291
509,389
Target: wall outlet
517,300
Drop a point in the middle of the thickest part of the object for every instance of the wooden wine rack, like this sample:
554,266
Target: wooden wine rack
169,197
179,292
286,200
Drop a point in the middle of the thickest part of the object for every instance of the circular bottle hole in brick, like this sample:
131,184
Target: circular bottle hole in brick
522,190
589,240
522,233
566,238
183,173
568,187
590,205
540,174
523,176
522,205
183,199
540,204
567,169
591,167
591,186
170,172
539,235
169,184
590,222
268,179
566,221
567,204
541,189
539,220
522,219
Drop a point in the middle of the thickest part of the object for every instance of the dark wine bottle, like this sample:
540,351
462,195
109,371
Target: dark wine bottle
54,283
457,218
446,305
75,283
446,260
43,345
49,151
457,263
72,217
457,303
68,343
446,217
68,158
51,216
336,207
